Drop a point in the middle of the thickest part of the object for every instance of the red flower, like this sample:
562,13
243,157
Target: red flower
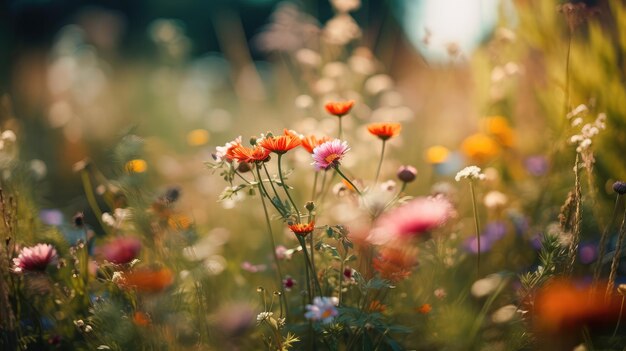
339,108
385,130
246,154
121,250
302,229
280,144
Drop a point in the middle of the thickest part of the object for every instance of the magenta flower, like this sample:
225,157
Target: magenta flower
412,219
121,250
329,154
34,259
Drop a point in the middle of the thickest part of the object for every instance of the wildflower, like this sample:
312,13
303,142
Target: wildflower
197,137
339,108
440,293
536,165
437,154
311,142
257,153
563,307
289,283
329,154
252,268
148,280
302,229
280,144
471,173
395,264
141,319
384,131
406,174
377,306
223,152
282,253
35,258
495,199
418,216
480,147
136,166
424,309
498,127
263,316
323,309
121,250
619,187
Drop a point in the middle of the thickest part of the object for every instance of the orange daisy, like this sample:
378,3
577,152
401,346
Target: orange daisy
384,130
339,108
302,229
424,309
246,154
280,144
311,142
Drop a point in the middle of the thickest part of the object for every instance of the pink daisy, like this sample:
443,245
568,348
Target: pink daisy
412,219
34,259
329,154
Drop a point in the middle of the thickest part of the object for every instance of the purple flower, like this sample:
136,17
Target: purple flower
323,309
587,252
329,154
34,259
495,231
536,165
471,244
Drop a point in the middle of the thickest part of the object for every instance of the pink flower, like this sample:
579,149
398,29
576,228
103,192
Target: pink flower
121,250
34,259
412,219
329,154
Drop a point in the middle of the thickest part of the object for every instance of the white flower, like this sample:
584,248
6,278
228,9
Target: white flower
263,316
495,199
471,173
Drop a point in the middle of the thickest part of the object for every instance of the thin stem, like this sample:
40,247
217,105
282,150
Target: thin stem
616,257
573,249
282,181
347,180
602,245
308,259
276,261
314,192
619,319
340,128
264,192
91,198
476,226
269,179
380,163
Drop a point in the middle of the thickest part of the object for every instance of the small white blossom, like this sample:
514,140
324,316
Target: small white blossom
471,173
263,316
495,199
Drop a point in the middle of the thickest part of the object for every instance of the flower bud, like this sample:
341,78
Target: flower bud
310,206
619,187
406,174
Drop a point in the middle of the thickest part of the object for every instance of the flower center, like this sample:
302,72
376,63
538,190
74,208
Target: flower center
331,158
327,314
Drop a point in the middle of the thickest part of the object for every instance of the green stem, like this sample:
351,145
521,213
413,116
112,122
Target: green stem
308,260
380,163
347,180
269,179
91,198
314,192
340,128
477,227
282,181
271,235
265,193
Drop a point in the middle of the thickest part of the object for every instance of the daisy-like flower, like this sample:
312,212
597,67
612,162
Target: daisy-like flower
412,219
302,229
311,142
471,173
329,154
323,309
251,155
339,108
395,264
148,280
35,258
384,130
280,144
222,152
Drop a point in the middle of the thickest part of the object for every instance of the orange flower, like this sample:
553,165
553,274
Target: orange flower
561,307
246,154
141,319
339,108
280,144
384,130
179,221
424,309
302,229
480,147
148,280
311,142
395,264
377,306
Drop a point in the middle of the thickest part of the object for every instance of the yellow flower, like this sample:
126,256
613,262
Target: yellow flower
498,127
136,166
197,137
480,147
437,154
